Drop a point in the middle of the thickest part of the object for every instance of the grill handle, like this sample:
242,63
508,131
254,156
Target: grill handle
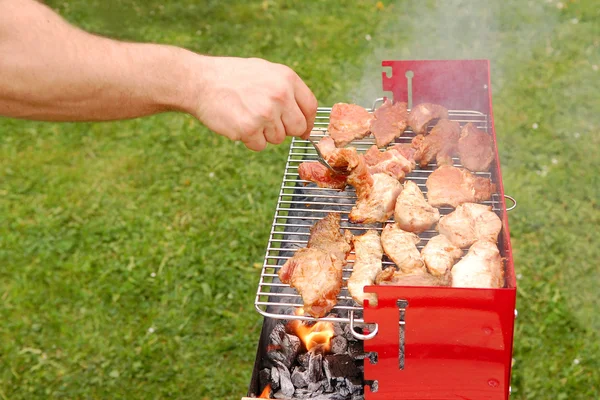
513,200
360,336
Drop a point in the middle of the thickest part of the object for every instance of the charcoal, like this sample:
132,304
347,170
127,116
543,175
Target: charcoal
275,378
329,396
355,349
283,346
299,377
285,380
264,377
317,387
280,395
344,391
358,396
340,365
338,330
315,368
303,359
354,384
302,394
339,345
348,333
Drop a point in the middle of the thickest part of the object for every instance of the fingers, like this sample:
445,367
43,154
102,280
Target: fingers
275,132
307,102
256,141
294,121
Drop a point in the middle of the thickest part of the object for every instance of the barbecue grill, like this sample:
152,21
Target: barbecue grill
424,342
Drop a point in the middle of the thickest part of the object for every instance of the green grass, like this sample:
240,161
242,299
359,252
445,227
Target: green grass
88,212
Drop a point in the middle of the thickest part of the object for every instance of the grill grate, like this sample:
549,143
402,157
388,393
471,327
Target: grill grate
299,207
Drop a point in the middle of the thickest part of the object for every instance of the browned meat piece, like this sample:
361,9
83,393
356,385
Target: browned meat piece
321,175
471,222
346,160
401,247
453,186
480,268
413,213
389,123
390,162
376,204
316,271
440,255
348,122
421,115
475,148
439,145
390,276
366,266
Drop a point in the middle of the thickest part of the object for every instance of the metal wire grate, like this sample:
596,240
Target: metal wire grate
301,204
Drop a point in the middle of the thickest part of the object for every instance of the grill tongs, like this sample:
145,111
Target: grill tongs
324,162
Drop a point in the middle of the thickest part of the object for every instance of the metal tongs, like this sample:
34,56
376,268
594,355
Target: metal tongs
321,159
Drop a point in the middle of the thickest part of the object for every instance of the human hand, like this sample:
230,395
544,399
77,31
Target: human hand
252,100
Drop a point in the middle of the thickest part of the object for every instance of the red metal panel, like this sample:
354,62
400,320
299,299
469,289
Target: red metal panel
458,343
456,84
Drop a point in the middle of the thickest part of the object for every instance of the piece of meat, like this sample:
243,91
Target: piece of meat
439,145
480,268
407,151
390,162
316,270
470,222
367,265
412,212
440,255
421,115
377,203
390,276
389,122
321,175
401,247
475,148
348,122
452,186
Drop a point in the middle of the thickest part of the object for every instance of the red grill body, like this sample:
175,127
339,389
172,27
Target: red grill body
457,342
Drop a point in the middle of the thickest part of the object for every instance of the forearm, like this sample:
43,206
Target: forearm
50,70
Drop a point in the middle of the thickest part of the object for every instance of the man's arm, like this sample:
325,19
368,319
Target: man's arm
50,70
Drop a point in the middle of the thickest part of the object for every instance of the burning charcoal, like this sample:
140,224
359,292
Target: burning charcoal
339,345
274,378
283,347
340,365
303,359
354,384
264,377
285,380
299,377
315,368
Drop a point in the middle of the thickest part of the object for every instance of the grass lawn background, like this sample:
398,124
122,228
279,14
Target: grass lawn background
130,251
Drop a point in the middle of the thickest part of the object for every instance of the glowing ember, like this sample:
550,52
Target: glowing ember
319,334
266,393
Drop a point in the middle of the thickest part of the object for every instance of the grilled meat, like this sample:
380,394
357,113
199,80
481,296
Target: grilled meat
412,212
480,268
470,222
440,255
475,148
316,271
452,186
401,247
389,122
390,162
348,122
375,203
366,266
321,175
421,115
390,276
439,145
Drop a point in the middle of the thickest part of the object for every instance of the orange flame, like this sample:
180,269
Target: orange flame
266,393
319,334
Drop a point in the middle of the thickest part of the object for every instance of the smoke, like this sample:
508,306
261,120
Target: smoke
457,29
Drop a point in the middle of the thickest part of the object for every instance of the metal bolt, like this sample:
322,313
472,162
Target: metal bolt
516,313
485,86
